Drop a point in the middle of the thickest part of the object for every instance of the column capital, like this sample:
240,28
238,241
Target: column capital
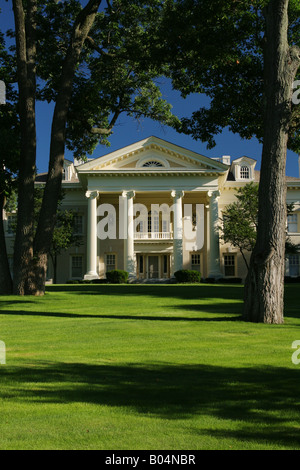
128,194
214,194
176,194
91,194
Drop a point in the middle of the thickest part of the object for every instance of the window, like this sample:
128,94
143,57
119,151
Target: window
153,222
244,172
292,221
78,224
64,174
11,224
153,164
195,262
294,265
110,262
165,225
77,267
141,264
166,264
229,265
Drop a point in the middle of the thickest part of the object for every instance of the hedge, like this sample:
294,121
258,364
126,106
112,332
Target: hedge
187,275
117,276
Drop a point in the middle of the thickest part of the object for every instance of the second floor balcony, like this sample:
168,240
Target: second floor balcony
140,236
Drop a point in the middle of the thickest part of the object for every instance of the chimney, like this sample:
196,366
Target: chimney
225,159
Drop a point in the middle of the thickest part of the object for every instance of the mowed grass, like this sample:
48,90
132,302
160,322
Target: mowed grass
152,367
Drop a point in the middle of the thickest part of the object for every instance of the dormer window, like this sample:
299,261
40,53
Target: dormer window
243,169
244,172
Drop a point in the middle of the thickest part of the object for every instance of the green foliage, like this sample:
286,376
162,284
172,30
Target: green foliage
239,219
187,275
117,73
117,276
64,235
216,48
9,125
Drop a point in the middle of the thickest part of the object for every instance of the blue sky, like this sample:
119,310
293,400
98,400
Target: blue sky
128,130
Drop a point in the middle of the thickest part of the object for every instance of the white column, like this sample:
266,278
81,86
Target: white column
129,258
214,253
92,236
177,230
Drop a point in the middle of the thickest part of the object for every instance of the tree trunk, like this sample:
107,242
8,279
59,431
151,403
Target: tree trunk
26,51
5,276
52,191
264,287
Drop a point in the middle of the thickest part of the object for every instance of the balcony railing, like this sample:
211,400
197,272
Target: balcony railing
153,236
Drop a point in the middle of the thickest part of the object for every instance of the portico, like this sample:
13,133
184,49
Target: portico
155,189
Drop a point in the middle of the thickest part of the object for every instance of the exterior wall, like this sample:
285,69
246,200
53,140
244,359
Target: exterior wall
198,179
76,200
228,197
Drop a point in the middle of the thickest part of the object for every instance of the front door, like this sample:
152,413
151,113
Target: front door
153,272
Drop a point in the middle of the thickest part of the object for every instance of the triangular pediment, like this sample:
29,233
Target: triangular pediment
244,159
149,154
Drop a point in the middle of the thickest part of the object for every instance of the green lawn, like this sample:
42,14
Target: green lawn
147,367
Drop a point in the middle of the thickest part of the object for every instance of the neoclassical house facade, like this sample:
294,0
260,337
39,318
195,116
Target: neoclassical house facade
153,208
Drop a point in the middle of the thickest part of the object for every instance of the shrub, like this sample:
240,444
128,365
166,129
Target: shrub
187,275
117,276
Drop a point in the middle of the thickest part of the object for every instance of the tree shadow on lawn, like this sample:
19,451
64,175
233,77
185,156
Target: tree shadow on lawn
258,403
182,291
217,292
117,316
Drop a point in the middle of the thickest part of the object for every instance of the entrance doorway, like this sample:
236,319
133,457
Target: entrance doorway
153,266
153,270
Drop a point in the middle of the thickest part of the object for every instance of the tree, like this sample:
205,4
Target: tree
246,60
64,234
64,237
9,138
239,222
264,289
94,65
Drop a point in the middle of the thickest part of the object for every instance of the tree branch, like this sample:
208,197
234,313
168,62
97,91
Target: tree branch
99,49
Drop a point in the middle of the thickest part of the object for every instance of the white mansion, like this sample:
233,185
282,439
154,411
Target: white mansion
122,201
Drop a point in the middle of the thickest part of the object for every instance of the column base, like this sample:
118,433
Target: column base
90,276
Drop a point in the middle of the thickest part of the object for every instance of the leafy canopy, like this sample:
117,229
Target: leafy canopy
217,48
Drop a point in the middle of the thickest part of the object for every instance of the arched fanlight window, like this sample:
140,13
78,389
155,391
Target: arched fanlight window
153,164
244,172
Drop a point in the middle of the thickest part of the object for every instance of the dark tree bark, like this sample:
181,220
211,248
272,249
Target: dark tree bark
52,191
26,52
5,277
264,287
